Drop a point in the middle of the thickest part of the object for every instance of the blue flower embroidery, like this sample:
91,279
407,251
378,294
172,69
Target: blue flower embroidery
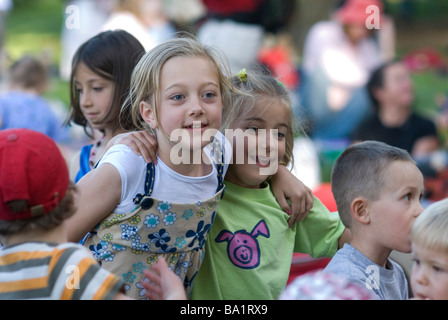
142,290
129,277
163,206
151,221
128,232
169,218
139,267
199,235
188,213
96,250
159,238
180,242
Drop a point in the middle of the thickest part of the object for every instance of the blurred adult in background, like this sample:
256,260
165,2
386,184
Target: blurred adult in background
338,57
397,123
144,19
394,120
23,104
157,22
82,20
128,15
237,27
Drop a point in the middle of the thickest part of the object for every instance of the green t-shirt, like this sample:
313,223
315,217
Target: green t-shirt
250,245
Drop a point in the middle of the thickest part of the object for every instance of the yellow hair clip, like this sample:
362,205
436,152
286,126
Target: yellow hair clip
242,75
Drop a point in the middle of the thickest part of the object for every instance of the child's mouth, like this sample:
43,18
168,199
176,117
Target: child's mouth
263,162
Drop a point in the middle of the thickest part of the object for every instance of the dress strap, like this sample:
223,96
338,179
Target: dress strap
149,183
218,154
84,162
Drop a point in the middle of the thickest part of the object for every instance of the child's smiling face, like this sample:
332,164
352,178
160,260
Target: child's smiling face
262,144
190,100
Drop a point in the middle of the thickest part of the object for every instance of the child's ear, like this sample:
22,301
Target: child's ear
148,114
360,211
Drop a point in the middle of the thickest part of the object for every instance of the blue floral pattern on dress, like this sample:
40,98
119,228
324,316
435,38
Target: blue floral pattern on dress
151,221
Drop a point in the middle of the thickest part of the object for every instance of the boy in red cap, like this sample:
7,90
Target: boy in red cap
37,197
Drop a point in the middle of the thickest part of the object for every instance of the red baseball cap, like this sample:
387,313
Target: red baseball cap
354,11
33,169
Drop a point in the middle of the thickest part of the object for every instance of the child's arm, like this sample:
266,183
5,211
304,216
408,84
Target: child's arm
164,284
99,194
141,142
285,186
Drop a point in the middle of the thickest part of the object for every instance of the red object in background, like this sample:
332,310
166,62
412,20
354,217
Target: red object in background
227,7
425,59
278,61
324,194
303,263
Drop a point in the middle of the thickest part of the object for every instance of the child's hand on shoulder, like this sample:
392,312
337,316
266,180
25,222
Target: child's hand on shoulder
288,189
141,142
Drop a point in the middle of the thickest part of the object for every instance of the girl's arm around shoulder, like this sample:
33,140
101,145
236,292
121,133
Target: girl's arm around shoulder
288,189
99,194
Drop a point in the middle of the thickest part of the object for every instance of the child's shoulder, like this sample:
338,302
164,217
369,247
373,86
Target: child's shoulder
349,262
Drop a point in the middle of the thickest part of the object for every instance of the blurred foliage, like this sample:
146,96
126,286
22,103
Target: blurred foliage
33,27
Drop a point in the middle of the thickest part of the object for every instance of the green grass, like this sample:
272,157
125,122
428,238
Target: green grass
33,27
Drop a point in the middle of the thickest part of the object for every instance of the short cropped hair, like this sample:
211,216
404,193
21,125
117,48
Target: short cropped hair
359,172
430,227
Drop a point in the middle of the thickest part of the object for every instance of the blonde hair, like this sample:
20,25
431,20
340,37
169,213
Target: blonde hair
430,229
145,80
253,86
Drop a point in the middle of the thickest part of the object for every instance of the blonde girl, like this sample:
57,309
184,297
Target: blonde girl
139,212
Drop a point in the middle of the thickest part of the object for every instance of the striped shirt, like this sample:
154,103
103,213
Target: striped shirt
37,270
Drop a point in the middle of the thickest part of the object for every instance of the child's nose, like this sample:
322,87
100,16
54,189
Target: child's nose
84,100
420,276
195,108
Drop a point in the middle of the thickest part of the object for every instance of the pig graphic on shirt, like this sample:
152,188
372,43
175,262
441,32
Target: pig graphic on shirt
243,248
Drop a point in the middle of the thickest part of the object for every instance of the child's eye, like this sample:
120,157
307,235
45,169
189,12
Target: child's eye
416,261
97,89
253,129
209,95
437,268
281,135
177,97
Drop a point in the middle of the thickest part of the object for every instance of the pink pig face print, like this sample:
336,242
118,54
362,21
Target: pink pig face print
243,248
